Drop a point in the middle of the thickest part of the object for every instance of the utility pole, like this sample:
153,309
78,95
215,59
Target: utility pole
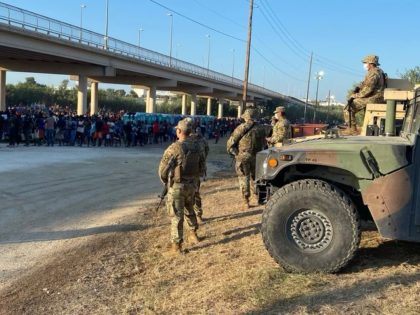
248,51
307,90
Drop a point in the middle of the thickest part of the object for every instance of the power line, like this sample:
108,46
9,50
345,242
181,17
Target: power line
328,63
197,22
225,34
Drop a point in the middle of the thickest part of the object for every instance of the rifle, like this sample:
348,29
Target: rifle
162,196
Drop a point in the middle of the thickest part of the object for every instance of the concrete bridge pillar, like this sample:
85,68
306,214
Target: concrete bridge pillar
82,95
220,109
184,104
2,90
193,104
240,109
151,100
209,106
93,98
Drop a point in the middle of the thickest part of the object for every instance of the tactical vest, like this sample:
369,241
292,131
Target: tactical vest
189,168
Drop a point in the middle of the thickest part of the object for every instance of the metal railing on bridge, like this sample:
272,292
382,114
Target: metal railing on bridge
24,19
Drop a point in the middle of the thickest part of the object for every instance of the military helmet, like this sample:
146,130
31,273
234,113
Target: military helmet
250,113
184,125
279,109
371,59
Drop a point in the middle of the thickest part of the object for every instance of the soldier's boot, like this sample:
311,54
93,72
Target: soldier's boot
246,203
193,238
350,131
354,130
175,249
200,219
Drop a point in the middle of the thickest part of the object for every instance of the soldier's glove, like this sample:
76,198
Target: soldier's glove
356,89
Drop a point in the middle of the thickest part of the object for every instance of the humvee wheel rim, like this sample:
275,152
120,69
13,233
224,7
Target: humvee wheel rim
310,230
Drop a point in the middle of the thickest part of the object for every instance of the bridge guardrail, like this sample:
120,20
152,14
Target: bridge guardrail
24,19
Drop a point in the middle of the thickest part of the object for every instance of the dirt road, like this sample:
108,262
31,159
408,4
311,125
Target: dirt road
55,197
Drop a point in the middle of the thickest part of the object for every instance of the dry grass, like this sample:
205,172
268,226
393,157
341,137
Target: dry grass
229,272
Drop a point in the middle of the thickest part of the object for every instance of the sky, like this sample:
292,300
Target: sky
285,32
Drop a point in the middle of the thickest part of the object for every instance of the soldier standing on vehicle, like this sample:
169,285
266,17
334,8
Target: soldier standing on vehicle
244,143
181,165
204,146
281,130
370,90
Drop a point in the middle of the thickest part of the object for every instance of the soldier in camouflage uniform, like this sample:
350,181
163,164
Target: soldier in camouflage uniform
244,143
181,165
371,90
197,136
281,130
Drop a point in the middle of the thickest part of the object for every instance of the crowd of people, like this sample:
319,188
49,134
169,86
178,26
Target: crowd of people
55,125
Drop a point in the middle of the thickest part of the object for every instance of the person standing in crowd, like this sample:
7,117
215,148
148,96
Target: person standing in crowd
281,130
50,129
181,164
13,128
244,143
27,126
204,146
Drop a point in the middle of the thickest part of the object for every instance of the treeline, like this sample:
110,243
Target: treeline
31,92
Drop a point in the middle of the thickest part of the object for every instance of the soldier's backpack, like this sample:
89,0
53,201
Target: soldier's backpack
191,163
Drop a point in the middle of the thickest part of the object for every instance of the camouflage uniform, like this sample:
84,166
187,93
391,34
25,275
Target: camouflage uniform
244,143
371,90
181,164
281,130
204,146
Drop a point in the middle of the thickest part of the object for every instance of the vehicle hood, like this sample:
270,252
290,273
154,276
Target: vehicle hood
351,153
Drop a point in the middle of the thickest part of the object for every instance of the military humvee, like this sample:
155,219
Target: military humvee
316,191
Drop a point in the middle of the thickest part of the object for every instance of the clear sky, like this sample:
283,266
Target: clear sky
285,32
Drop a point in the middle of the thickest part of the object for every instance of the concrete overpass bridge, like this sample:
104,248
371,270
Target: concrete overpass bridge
30,42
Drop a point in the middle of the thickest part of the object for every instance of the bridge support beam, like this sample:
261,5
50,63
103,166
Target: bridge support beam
220,109
151,100
2,90
93,98
209,106
82,95
193,104
184,104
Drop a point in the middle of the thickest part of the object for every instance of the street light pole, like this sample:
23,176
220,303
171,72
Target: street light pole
329,102
140,30
170,39
106,23
318,77
208,54
82,6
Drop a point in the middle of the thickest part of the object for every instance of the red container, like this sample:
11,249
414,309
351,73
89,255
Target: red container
303,130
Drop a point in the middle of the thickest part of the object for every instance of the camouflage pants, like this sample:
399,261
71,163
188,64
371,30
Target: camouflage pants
245,169
358,105
198,209
181,202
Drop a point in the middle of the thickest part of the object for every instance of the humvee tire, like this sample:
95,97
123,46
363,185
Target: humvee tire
311,226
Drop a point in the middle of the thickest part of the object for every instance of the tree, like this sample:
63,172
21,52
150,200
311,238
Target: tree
412,75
